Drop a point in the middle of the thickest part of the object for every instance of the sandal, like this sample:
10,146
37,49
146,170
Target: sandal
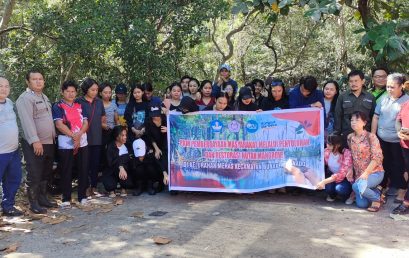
401,209
375,206
383,199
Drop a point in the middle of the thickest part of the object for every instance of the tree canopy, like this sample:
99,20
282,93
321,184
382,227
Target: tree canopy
159,41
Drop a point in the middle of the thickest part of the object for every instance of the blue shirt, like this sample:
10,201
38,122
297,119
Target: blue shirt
155,102
216,89
297,100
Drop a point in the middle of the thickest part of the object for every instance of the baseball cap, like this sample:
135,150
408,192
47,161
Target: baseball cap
121,89
139,148
155,111
225,66
245,93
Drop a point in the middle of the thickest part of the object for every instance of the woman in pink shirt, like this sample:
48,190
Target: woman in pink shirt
402,127
338,169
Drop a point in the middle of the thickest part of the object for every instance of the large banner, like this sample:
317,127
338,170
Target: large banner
245,151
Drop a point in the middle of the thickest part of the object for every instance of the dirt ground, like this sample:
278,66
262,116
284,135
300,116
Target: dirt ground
210,225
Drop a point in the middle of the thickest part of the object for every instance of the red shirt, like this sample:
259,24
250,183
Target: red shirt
403,116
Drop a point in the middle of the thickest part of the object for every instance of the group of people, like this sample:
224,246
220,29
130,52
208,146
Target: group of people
125,138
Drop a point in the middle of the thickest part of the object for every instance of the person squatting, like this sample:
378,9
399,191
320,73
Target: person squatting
122,142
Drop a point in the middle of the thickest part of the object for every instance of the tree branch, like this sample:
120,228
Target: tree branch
25,29
237,30
271,46
303,47
214,40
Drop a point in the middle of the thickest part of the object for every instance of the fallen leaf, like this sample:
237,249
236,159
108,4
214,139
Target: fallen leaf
118,201
124,230
53,221
105,209
11,248
87,208
159,240
137,214
4,223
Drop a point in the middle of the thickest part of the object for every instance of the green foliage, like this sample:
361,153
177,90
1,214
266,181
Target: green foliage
127,40
386,41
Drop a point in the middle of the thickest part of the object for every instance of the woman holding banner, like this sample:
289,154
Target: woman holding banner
338,169
245,100
277,97
221,104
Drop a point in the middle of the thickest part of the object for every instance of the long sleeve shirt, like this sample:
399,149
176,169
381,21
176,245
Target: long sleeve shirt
216,89
34,111
297,100
345,161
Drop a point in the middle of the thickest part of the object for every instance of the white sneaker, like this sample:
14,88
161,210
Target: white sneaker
330,199
85,202
97,194
123,193
350,201
65,205
112,195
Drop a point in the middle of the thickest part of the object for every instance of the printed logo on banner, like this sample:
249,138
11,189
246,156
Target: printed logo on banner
234,126
216,126
252,126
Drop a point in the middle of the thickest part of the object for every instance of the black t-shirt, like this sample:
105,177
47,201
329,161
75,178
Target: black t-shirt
136,114
95,111
259,100
271,104
210,108
249,107
154,134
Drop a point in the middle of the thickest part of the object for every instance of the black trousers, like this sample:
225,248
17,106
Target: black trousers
67,160
393,164
405,153
147,170
110,179
39,168
106,139
94,158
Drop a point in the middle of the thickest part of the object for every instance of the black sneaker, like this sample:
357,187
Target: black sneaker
401,210
13,212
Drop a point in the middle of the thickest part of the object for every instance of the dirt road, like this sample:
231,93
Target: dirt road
215,225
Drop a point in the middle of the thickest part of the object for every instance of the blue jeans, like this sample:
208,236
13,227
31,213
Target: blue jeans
370,194
10,175
343,189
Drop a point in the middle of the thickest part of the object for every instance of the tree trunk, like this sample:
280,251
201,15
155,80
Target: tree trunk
8,11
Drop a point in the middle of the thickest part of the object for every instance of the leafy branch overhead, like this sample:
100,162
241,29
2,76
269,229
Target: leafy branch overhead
385,23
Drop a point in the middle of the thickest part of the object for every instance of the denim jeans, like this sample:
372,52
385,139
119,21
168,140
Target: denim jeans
10,176
370,194
342,189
